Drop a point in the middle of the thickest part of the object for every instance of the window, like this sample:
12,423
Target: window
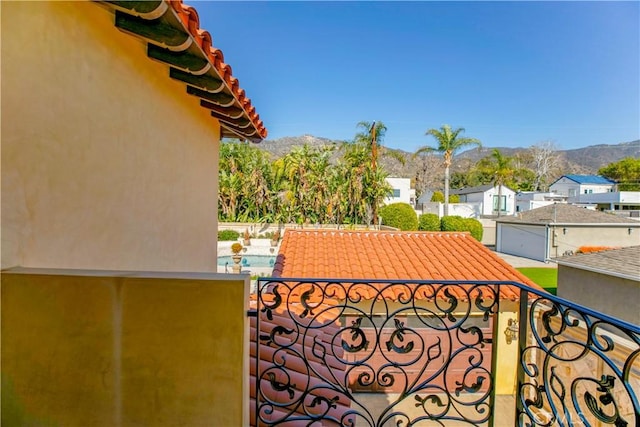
503,203
396,192
572,192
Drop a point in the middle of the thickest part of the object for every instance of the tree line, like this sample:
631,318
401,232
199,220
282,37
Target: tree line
306,187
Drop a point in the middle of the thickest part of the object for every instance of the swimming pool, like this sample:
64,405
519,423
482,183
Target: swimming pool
250,260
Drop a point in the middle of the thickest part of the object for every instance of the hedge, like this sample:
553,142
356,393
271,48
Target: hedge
429,222
457,223
228,235
399,215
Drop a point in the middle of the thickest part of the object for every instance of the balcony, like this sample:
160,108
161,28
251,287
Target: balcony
398,353
107,348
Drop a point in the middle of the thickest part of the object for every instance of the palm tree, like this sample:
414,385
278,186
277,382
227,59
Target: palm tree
449,142
371,135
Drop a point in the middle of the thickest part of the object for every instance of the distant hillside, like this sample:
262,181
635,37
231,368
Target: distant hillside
585,160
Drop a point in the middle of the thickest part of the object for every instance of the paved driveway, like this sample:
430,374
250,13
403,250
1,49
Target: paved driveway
517,261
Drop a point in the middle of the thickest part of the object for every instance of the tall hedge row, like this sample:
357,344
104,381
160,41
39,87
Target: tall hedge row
429,222
403,217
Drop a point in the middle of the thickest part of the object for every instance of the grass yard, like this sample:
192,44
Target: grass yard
545,277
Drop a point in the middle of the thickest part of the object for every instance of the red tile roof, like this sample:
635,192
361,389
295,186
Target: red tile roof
392,255
192,59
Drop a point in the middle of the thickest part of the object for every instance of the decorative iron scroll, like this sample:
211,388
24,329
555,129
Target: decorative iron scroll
577,368
374,353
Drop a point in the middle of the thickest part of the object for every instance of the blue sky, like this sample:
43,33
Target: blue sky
512,73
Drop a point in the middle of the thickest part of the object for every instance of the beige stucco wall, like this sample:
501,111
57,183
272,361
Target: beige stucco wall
615,296
107,163
121,349
576,236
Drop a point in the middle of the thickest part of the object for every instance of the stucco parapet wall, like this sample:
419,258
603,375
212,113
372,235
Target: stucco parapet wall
573,224
173,35
214,277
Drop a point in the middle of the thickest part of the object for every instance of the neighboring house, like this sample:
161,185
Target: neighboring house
572,186
607,281
551,231
401,191
620,201
401,255
424,198
112,115
487,196
527,200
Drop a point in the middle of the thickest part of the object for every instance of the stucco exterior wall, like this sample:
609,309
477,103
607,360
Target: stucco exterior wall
528,240
562,241
404,186
107,163
122,349
611,295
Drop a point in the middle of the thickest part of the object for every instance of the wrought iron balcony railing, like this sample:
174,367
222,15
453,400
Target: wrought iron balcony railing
403,353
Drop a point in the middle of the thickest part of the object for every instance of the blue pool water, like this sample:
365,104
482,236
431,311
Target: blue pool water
250,260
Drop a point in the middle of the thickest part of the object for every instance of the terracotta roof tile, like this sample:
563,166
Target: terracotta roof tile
246,124
383,255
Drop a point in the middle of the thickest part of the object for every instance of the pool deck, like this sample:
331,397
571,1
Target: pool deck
260,247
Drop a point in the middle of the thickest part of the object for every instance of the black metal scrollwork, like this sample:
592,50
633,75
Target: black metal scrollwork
577,367
326,349
409,340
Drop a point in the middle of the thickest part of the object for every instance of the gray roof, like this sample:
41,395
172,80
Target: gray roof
562,213
624,262
478,189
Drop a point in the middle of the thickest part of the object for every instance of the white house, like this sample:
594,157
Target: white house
613,201
527,200
402,191
487,196
572,186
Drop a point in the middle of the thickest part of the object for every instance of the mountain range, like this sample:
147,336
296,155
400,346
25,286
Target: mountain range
586,160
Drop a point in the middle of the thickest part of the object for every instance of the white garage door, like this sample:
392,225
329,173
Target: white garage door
522,240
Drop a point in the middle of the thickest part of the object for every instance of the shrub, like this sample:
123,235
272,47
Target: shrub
227,235
474,227
457,223
451,223
399,215
236,248
439,197
429,222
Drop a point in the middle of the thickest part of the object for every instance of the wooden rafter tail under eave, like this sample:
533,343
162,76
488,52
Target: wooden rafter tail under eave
173,36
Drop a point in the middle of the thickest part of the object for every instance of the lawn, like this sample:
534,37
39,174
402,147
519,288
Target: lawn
545,277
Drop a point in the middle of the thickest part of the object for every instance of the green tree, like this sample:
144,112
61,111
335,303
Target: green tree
371,136
449,142
502,172
626,172
437,196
